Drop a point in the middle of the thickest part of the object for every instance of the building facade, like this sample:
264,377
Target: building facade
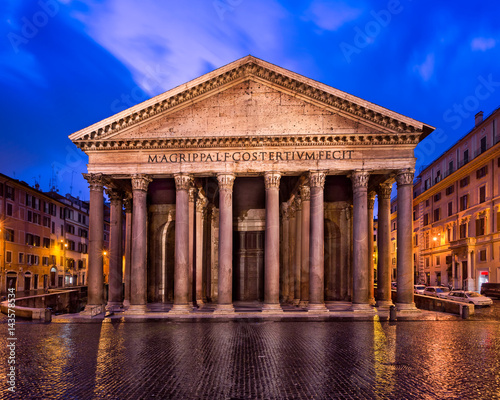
221,175
456,211
43,238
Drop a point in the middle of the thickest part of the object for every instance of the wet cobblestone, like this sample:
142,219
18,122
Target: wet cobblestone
255,360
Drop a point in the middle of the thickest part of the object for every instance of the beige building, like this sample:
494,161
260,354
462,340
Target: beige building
221,175
456,211
43,238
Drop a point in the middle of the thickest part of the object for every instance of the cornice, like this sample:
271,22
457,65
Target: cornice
246,69
247,142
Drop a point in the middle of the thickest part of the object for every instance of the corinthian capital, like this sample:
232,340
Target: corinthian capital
371,200
317,179
305,192
127,203
201,203
360,180
192,194
297,204
385,190
272,180
96,181
405,176
115,196
226,181
141,182
182,181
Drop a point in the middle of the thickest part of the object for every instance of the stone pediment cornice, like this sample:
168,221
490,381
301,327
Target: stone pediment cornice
247,142
243,69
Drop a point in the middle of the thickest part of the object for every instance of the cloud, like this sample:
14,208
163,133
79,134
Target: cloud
482,44
167,46
330,16
426,69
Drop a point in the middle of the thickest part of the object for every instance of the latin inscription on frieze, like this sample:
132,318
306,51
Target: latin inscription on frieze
251,156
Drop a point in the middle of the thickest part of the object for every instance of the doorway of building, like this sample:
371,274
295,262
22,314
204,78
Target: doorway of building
248,276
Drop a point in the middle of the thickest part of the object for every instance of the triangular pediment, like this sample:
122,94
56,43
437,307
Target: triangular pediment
250,98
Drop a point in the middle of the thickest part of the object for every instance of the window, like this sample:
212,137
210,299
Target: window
71,245
415,241
53,260
30,259
483,144
427,262
438,260
9,235
9,209
46,222
1,189
482,255
52,209
426,219
480,226
437,196
37,218
450,209
53,228
450,190
8,256
427,183
9,192
463,231
450,167
437,214
29,217
70,229
449,235
464,182
393,261
448,259
427,203
21,258
464,202
482,172
45,260
466,156
438,177
46,243
482,194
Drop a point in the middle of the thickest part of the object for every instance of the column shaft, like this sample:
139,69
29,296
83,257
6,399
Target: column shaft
371,272
201,204
291,255
95,279
404,235
298,250
225,284
317,243
191,267
285,286
181,267
384,297
115,250
128,250
272,244
305,195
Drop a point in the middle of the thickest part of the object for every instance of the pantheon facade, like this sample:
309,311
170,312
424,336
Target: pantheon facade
250,184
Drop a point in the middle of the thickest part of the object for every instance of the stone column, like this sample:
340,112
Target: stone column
181,268
298,249
272,244
201,204
115,250
284,252
360,293
469,283
191,219
128,249
404,179
371,273
291,254
384,297
305,195
138,295
317,243
225,284
95,278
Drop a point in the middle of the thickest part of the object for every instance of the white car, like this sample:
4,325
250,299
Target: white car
466,296
437,291
418,289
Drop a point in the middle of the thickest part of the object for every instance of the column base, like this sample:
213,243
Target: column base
200,303
384,303
303,303
126,303
181,309
92,309
317,308
224,309
295,302
136,309
362,307
271,308
372,301
113,306
407,307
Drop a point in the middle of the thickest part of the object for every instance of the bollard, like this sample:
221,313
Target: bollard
392,313
465,312
48,315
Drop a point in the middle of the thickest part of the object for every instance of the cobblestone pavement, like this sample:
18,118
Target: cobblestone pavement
243,359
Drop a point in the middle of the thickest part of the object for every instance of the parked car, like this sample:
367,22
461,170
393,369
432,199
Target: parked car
437,291
467,296
490,289
418,289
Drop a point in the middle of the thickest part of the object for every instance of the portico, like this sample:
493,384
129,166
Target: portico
251,183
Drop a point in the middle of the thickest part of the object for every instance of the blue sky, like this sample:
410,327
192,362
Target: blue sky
67,64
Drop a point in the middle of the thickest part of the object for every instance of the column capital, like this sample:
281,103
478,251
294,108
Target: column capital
384,190
371,200
192,194
141,182
317,179
201,204
297,204
225,180
405,176
182,181
96,181
272,180
360,180
305,192
115,196
285,210
127,203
